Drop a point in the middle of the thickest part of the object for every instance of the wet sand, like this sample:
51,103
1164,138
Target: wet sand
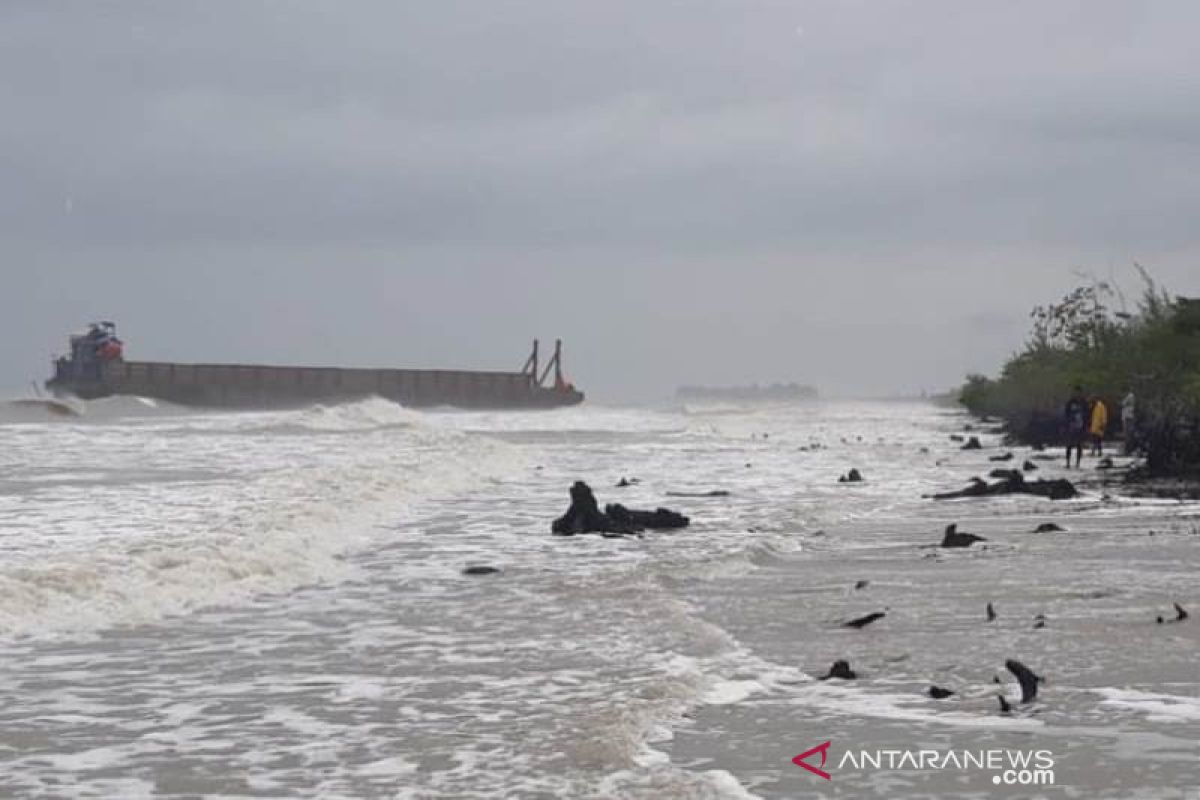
1120,709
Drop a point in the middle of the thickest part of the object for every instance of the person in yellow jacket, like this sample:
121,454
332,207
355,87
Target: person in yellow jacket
1099,426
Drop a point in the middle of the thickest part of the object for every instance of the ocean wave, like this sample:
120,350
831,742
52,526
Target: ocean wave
257,515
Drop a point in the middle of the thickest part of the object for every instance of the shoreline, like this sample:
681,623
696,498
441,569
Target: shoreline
1118,560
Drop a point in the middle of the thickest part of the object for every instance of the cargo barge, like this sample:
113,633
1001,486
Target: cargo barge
96,367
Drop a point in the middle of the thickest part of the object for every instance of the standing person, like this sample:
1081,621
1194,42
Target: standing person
1129,420
1099,425
1075,420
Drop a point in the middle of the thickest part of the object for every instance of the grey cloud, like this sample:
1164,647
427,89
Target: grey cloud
800,171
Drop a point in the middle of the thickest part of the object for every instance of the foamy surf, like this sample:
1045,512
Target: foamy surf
1157,707
217,509
304,623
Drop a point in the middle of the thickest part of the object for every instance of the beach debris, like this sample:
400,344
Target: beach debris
954,437
1026,677
624,482
991,613
1039,622
863,622
1056,489
853,476
481,570
660,519
1004,457
953,538
841,670
862,584
938,693
1105,463
1029,466
1048,527
1003,474
972,444
584,516
712,493
1180,615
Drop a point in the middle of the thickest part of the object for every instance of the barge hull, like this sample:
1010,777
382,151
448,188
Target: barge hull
247,386
97,368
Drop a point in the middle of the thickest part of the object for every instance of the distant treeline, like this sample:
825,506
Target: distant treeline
776,391
1153,351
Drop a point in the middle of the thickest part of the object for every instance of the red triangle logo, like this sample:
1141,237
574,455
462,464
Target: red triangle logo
799,760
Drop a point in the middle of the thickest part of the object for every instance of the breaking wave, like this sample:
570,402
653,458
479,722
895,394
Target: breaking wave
127,523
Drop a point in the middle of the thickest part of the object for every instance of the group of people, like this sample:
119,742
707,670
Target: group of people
1086,419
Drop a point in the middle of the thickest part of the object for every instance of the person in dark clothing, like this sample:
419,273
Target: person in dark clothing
1076,415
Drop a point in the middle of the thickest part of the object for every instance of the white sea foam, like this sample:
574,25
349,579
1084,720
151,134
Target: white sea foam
172,520
1157,707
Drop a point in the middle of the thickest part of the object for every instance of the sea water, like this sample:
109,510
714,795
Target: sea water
273,605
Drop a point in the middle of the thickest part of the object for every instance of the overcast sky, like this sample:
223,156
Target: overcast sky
865,195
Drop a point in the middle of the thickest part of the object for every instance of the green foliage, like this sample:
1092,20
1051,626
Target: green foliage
1083,340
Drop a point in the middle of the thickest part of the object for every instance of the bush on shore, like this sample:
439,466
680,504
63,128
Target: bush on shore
1153,351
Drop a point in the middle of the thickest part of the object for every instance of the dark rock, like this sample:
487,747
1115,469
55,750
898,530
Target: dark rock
863,622
862,584
1004,474
840,669
713,493
1005,707
1004,457
954,437
658,519
481,570
853,476
973,444
924,451
953,538
991,613
938,693
1048,527
1028,680
624,482
1029,466
584,516
1015,483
